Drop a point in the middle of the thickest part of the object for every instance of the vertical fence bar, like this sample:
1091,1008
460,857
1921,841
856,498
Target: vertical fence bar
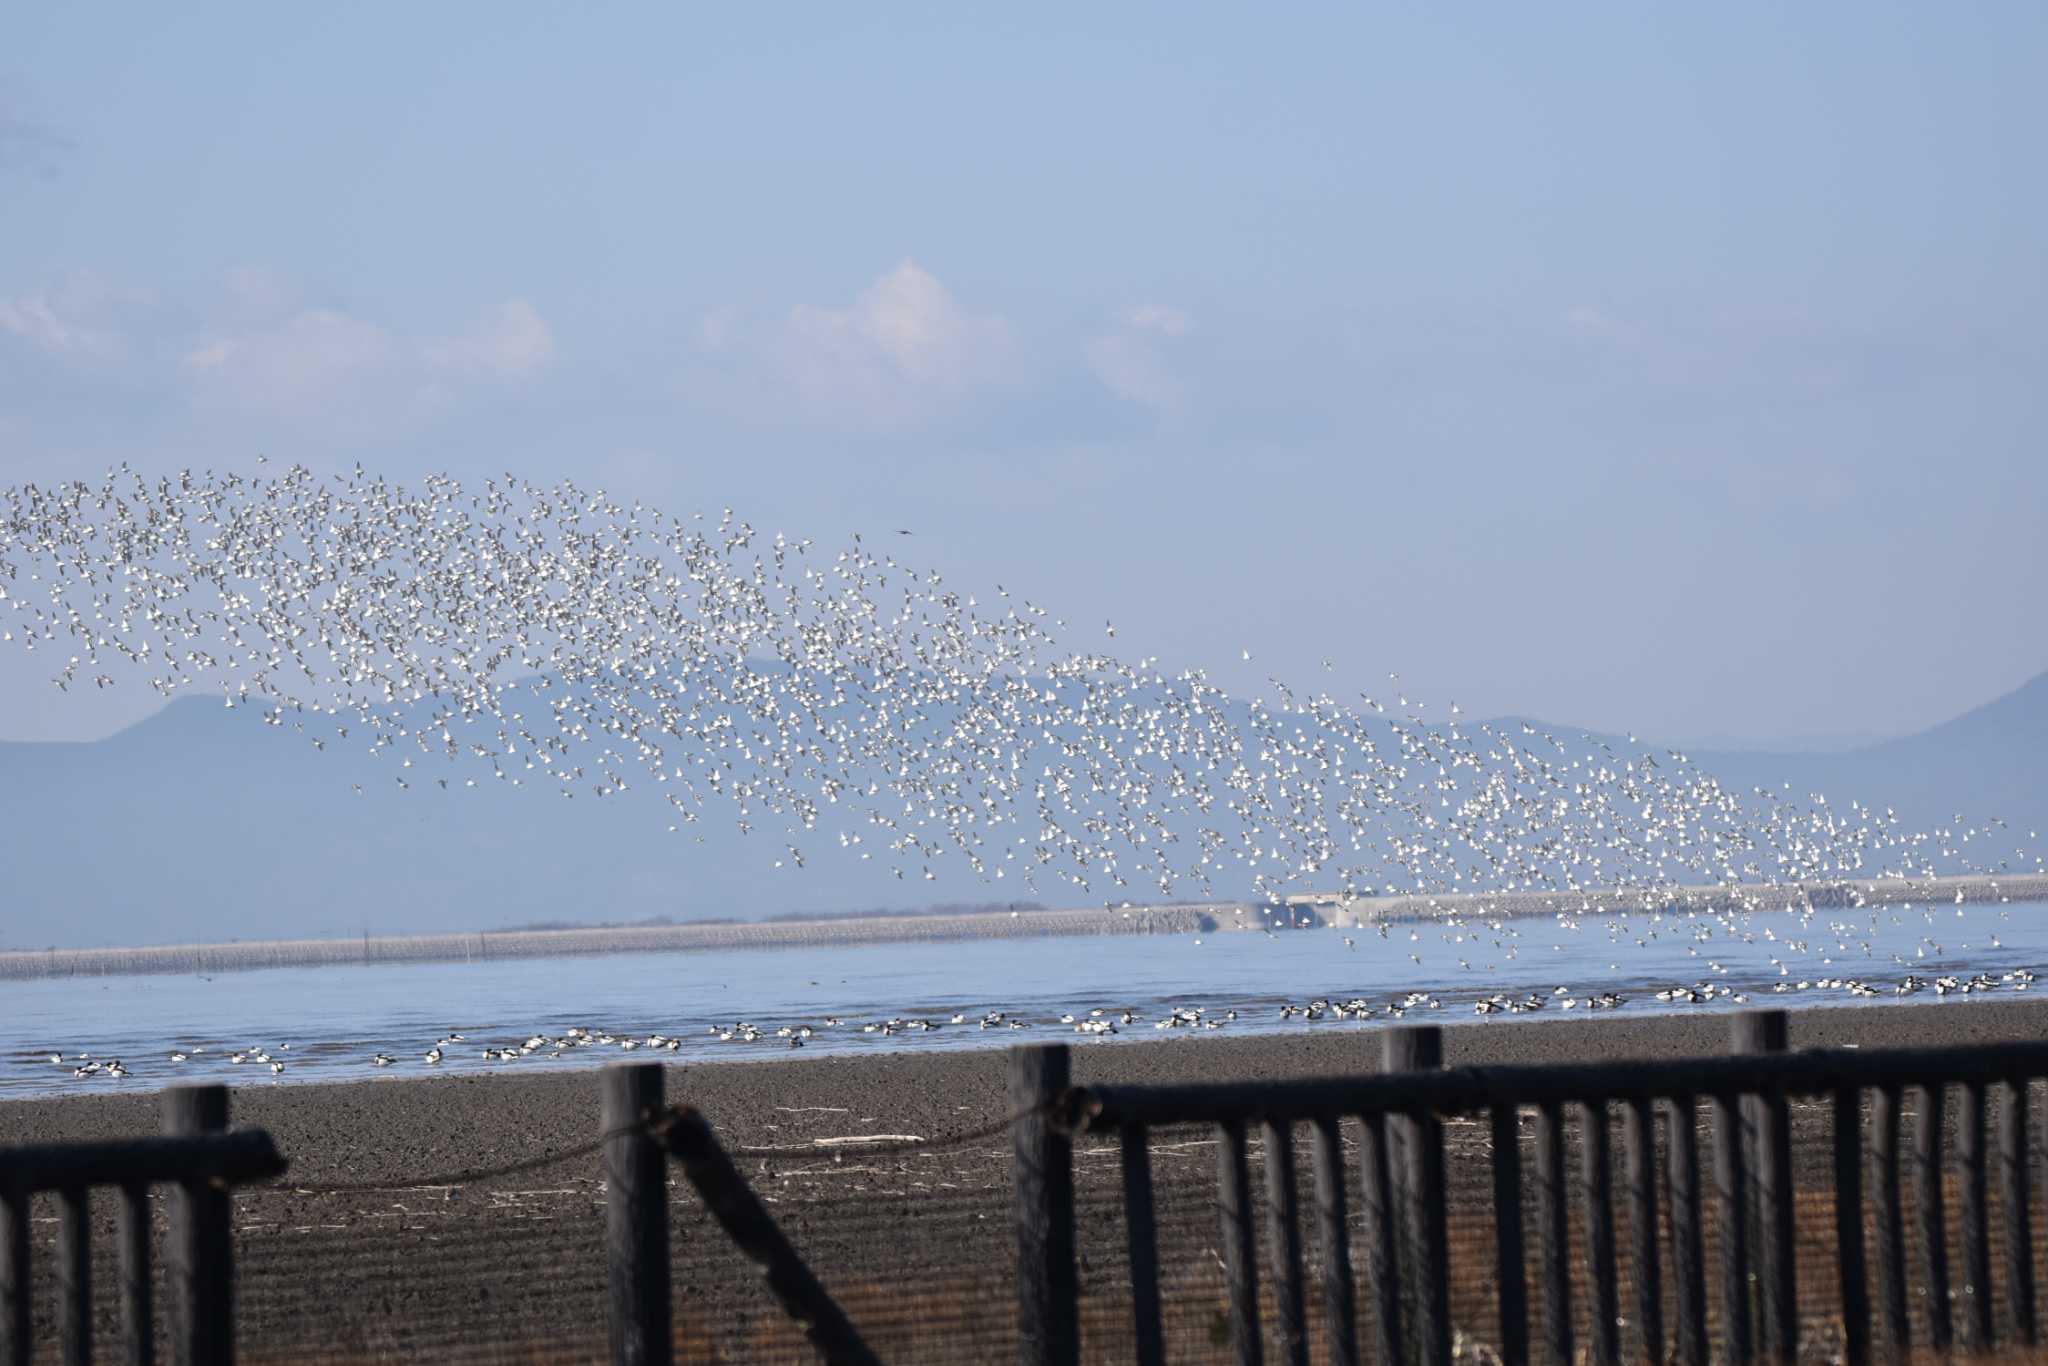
1891,1220
1425,1247
1928,1194
1142,1232
636,1215
1382,1249
138,1310
1688,1250
74,1276
1848,1154
1765,1031
1048,1286
2020,1323
1596,1182
1240,1241
1731,1208
16,1294
1976,1221
1639,1133
1334,1233
1283,1241
1553,1234
1511,1270
199,1275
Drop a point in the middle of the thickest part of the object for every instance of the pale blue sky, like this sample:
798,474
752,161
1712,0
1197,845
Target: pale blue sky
1643,367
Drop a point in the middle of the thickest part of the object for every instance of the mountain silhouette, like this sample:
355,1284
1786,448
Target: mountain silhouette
204,823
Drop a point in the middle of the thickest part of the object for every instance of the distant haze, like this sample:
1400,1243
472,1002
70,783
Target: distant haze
202,823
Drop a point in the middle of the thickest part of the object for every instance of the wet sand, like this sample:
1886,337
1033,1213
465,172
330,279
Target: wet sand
915,1239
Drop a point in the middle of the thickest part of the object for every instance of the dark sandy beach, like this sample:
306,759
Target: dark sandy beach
915,1239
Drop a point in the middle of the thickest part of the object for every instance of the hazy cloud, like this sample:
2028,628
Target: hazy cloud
84,317
301,365
268,352
513,342
1131,360
902,353
36,319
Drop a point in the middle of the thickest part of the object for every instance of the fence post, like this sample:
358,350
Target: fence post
138,1316
636,1215
1764,1031
1048,1288
199,1275
16,1295
1420,1173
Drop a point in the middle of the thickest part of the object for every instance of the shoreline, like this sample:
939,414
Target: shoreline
1311,910
733,1090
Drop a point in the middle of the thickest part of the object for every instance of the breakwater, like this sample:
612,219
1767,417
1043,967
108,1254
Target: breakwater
1335,909
1300,911
377,949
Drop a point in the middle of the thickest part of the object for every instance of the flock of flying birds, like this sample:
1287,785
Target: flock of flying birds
562,639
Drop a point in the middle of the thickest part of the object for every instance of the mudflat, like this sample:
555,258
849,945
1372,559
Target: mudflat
385,1243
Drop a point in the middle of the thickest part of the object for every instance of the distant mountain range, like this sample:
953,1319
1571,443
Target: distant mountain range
204,823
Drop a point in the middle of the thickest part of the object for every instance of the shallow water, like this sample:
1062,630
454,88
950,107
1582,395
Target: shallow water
326,1023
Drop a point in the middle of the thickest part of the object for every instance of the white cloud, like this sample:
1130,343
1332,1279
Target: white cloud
82,317
1171,322
308,362
901,354
513,342
260,294
36,320
1132,362
269,354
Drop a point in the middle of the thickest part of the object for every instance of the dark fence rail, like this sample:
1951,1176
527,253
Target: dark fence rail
200,1160
1746,1195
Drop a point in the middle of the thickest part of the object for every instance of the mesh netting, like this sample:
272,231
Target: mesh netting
915,1242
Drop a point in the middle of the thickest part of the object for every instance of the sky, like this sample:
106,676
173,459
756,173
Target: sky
1676,369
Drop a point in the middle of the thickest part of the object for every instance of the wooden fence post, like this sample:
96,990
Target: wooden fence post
636,1215
1971,1151
1553,1234
200,1274
138,1316
1891,1219
1510,1260
1333,1219
1850,1260
1420,1173
1927,1188
2013,1158
1688,1250
1381,1227
16,1298
1048,1287
1765,1031
74,1274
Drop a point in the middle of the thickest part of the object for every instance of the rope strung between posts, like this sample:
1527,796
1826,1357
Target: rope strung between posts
469,1176
654,1128
1057,1108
